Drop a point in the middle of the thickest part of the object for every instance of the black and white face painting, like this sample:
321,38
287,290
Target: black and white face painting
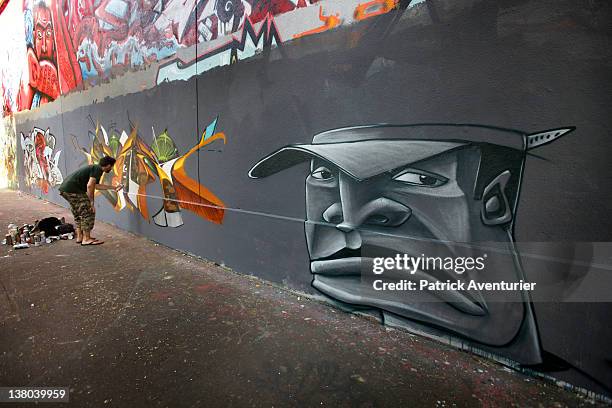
427,209
378,191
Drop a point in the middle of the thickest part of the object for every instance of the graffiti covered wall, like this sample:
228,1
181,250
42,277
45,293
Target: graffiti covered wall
8,153
12,55
41,159
139,164
66,45
356,130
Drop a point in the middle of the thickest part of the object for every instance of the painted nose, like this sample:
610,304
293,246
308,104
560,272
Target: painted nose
344,227
380,212
363,203
333,215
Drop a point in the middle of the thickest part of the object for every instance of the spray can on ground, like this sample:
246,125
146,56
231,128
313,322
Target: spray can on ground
26,235
13,231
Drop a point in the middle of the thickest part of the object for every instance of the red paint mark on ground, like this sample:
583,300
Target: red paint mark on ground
161,295
211,287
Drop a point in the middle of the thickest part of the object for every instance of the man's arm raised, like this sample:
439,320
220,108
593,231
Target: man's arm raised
107,187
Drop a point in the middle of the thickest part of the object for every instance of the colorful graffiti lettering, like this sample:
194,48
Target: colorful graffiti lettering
329,22
374,8
268,35
139,164
41,160
117,35
248,44
69,44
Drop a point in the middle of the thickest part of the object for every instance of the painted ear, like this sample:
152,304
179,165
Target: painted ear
541,138
496,209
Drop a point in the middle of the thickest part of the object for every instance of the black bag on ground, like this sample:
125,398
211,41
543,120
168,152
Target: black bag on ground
47,225
53,226
64,229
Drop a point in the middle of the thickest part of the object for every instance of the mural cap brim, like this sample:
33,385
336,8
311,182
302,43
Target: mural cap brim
365,151
452,132
461,132
360,159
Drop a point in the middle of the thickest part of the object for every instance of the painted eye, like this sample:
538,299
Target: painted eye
322,173
39,34
420,178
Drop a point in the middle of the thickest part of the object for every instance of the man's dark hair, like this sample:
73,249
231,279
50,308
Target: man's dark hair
106,161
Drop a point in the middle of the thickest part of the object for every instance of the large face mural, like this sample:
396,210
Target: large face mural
43,79
431,191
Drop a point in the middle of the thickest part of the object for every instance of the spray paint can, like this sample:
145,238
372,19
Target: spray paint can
36,240
9,239
12,229
43,238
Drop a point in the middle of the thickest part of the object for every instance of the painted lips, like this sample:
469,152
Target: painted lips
351,266
362,266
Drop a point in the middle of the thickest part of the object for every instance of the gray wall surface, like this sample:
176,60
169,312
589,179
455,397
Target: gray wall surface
530,65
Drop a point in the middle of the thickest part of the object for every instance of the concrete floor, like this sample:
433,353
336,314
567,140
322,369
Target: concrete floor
135,324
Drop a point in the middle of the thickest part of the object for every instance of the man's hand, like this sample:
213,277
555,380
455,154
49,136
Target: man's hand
93,207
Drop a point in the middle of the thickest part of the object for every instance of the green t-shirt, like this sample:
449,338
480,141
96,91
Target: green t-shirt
77,181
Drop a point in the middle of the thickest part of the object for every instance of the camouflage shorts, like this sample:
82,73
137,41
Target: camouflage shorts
84,217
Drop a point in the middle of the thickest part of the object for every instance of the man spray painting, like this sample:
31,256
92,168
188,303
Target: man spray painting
79,190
